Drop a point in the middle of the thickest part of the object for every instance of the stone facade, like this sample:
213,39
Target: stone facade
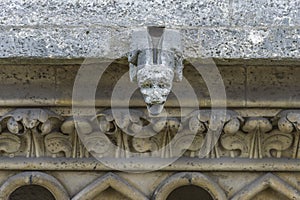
56,145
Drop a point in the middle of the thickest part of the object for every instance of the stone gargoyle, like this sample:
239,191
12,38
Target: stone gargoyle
155,62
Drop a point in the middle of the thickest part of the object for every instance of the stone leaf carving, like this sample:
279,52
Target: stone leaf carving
130,123
167,134
235,143
9,143
289,123
31,125
156,137
189,144
99,145
143,145
71,125
257,141
256,127
135,135
19,120
118,127
73,132
276,142
200,123
58,142
191,138
260,124
232,139
38,132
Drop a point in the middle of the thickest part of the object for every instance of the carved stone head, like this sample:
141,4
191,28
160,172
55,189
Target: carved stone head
155,62
155,82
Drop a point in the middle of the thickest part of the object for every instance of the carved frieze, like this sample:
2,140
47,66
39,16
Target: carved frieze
23,131
123,134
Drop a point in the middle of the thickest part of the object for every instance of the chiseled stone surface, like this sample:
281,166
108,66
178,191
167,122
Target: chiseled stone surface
221,29
266,13
129,13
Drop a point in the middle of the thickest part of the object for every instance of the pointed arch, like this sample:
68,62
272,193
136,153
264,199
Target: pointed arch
106,181
188,178
267,181
33,178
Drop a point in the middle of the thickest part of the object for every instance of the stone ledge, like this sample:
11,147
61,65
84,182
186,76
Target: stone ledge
182,164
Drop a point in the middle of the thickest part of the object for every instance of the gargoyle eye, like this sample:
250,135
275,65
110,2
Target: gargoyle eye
163,85
147,85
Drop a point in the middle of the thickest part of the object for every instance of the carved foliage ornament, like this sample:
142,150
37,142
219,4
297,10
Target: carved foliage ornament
29,126
40,132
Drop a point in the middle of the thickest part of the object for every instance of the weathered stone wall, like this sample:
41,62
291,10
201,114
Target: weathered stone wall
78,28
255,45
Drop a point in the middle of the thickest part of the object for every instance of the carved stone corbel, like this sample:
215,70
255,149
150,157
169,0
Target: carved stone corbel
155,62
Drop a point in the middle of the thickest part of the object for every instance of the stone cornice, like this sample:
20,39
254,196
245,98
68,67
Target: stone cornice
132,165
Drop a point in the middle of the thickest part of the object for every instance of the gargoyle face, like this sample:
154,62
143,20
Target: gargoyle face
155,82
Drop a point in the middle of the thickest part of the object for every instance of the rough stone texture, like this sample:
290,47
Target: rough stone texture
261,31
127,13
265,13
54,42
221,29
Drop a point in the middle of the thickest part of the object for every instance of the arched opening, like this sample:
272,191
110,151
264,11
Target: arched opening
189,185
31,192
190,192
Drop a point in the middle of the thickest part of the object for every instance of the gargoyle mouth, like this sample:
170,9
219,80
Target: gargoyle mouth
155,108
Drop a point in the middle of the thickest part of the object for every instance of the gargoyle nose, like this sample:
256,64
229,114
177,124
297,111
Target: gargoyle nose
156,96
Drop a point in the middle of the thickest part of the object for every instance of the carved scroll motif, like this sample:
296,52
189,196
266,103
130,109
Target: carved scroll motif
206,142
119,134
66,141
289,124
116,130
132,134
257,139
30,126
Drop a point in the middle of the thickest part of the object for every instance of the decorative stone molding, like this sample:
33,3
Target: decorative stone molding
188,178
160,190
33,178
42,133
289,123
257,139
27,128
267,181
106,181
